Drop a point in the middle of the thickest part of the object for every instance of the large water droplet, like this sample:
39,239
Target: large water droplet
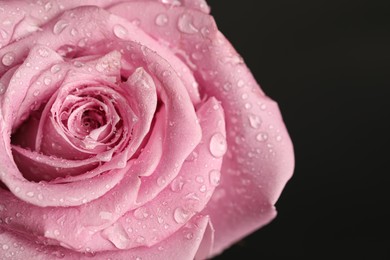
8,59
254,121
185,24
161,19
177,184
120,31
218,145
60,26
215,177
181,215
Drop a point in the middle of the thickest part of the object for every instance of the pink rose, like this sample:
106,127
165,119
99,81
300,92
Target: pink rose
130,130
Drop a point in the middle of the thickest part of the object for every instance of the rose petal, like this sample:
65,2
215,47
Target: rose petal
174,206
186,244
253,121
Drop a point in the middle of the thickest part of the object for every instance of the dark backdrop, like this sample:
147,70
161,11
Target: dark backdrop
327,63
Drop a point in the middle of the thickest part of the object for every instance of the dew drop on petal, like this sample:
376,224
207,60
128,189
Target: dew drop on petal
60,26
43,52
180,215
161,20
120,31
199,179
8,59
30,194
261,137
161,181
215,177
185,24
47,81
189,236
177,184
218,145
3,88
55,68
254,121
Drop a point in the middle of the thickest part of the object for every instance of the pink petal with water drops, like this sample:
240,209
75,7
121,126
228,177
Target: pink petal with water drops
188,243
260,150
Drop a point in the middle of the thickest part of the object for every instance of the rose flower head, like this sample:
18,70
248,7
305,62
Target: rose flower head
130,130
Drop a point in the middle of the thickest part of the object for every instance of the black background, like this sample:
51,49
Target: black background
327,64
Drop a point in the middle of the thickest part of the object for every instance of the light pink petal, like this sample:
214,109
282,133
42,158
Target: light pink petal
103,26
22,17
27,83
260,149
36,166
186,196
186,244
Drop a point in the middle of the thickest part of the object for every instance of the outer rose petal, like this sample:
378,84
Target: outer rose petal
260,158
191,241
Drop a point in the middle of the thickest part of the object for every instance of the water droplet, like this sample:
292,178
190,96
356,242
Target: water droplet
3,88
203,188
215,177
30,194
185,24
189,235
43,52
160,220
244,96
177,184
218,145
8,59
5,247
161,181
73,32
199,179
47,81
240,83
140,239
48,6
161,19
120,31
171,2
36,93
261,137
17,189
55,68
197,56
140,213
227,86
254,121
60,26
180,215
278,138
248,106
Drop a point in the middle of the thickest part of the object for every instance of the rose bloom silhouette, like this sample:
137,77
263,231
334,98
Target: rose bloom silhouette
130,130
